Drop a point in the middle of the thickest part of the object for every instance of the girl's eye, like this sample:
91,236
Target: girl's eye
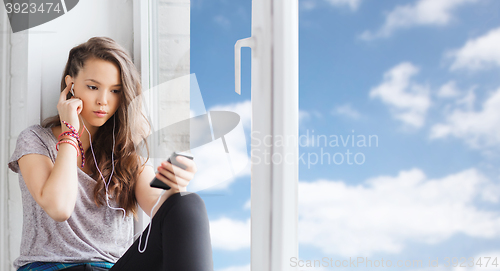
94,87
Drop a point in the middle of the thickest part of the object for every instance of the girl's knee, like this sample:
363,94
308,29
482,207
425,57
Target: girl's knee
184,197
186,203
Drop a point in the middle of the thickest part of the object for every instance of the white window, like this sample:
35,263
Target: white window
275,110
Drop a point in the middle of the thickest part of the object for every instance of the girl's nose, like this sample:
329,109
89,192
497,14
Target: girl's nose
102,99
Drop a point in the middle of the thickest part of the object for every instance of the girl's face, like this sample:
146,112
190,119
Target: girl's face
98,85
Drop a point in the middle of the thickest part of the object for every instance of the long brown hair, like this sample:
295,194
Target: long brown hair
129,127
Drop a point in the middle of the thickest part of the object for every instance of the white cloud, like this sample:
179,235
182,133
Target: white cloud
305,116
247,205
312,4
217,170
479,53
353,4
464,99
468,100
222,21
422,12
243,109
308,4
230,234
386,213
448,90
408,101
479,129
383,214
346,110
236,268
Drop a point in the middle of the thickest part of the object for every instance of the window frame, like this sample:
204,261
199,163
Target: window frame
275,112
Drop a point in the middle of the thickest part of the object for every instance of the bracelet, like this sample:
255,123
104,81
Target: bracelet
70,142
68,137
75,143
71,128
68,133
77,138
74,134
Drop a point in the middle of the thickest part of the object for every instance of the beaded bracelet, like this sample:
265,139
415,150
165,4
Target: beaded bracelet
68,134
76,137
71,128
70,142
74,134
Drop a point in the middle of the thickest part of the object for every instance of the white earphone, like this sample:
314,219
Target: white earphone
72,91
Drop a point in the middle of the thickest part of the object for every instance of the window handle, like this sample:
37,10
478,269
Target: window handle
248,42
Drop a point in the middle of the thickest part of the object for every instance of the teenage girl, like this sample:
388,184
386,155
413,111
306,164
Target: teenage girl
82,179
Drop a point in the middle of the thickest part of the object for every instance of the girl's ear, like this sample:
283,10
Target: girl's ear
68,80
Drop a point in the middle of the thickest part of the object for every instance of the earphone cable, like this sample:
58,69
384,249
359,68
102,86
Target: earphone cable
106,184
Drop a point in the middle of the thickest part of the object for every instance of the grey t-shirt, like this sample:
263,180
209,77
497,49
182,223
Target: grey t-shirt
91,233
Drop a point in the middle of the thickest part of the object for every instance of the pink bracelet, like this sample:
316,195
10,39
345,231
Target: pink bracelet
74,143
68,137
74,134
69,134
70,142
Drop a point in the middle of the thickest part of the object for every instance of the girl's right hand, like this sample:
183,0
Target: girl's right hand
69,109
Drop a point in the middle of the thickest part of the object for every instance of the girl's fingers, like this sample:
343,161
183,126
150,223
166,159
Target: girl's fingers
190,165
167,181
179,172
62,96
175,178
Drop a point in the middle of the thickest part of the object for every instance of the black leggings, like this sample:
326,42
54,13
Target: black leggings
179,239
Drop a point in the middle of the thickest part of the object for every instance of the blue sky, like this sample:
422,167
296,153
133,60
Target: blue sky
421,76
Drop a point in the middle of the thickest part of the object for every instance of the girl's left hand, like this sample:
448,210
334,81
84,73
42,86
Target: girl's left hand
176,177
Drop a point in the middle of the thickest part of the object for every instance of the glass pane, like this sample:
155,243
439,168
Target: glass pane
170,44
199,44
399,116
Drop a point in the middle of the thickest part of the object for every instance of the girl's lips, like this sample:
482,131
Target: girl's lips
100,114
